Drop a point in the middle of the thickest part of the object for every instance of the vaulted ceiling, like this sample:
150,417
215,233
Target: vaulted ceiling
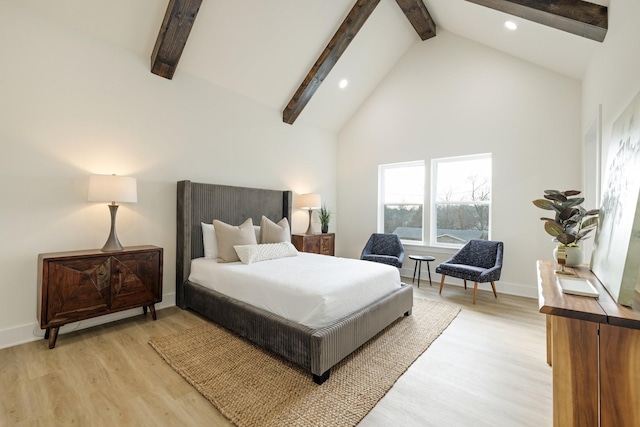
264,49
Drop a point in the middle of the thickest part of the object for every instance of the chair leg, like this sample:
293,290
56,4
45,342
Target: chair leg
493,286
441,284
475,291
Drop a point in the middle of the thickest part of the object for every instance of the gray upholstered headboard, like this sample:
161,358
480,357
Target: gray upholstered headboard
205,202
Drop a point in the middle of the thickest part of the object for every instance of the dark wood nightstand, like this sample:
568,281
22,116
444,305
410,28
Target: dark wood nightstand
324,244
79,285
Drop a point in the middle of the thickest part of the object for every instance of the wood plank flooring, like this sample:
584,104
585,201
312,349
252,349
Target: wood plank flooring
488,368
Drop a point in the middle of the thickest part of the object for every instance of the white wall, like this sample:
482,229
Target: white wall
613,77
72,106
449,97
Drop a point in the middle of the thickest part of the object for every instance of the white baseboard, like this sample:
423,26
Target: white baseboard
502,287
32,332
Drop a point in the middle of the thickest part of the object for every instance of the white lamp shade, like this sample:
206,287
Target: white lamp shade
112,188
309,201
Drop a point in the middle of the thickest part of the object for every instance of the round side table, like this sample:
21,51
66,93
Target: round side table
418,259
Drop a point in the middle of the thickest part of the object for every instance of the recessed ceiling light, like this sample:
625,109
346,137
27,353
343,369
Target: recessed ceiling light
343,83
511,25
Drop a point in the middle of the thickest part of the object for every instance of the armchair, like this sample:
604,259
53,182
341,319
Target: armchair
478,260
384,248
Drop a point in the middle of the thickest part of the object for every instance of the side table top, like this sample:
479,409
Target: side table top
422,257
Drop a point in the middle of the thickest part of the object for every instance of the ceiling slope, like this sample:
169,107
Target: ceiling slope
415,11
262,49
329,57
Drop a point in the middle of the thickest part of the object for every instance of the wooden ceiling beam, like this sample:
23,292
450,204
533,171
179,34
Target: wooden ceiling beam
419,16
328,58
578,17
173,35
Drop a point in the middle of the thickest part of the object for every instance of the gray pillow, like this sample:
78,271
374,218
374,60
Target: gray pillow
270,232
229,236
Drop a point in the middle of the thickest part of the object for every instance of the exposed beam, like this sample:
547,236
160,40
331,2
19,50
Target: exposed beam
574,16
328,58
173,35
419,16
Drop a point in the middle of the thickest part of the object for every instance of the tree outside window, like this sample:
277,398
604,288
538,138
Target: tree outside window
460,200
401,200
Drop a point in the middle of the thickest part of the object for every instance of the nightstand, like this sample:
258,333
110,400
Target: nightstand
79,285
324,244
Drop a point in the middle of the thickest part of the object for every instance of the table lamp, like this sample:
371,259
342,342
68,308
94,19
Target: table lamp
112,188
310,202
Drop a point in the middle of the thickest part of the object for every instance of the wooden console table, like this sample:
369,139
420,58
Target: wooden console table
593,345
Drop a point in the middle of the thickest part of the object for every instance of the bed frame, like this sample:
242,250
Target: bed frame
316,350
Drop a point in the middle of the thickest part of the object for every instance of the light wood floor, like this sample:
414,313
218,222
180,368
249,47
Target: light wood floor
487,369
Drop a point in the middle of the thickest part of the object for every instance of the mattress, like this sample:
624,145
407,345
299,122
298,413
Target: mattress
310,289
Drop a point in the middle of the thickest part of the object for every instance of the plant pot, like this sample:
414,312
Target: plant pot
325,229
574,255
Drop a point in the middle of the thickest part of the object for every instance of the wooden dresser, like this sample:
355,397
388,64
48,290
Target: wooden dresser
78,285
593,346
324,244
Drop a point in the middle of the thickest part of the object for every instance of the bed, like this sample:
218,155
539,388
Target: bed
316,349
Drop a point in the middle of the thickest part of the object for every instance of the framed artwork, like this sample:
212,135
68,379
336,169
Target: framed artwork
616,254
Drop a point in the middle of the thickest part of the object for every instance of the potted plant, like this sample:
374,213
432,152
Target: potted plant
571,222
324,215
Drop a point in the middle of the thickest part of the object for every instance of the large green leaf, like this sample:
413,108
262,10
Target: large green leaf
589,222
566,238
544,204
556,196
573,202
570,193
583,233
568,213
553,228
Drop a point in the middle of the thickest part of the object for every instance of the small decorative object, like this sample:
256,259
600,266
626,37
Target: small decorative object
112,188
570,224
325,216
309,202
560,255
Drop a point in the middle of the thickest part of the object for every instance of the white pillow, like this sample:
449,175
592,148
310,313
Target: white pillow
228,236
256,228
209,241
270,232
264,252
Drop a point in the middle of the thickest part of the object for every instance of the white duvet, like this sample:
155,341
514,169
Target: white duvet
310,289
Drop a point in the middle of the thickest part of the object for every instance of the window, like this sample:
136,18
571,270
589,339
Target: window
401,200
460,200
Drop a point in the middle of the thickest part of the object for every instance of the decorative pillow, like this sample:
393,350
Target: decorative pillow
228,236
266,251
270,232
256,228
209,241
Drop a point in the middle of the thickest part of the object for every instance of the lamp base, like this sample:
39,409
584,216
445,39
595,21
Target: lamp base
310,229
113,244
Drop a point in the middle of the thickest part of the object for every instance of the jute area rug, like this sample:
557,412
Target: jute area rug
253,387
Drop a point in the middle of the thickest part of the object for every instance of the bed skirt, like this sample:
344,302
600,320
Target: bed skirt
316,350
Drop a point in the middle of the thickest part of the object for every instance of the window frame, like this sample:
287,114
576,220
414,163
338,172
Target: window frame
433,237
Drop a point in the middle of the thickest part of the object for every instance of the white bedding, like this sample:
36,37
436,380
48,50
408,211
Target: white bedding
310,289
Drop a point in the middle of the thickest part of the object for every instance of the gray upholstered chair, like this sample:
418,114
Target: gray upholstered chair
479,261
384,248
